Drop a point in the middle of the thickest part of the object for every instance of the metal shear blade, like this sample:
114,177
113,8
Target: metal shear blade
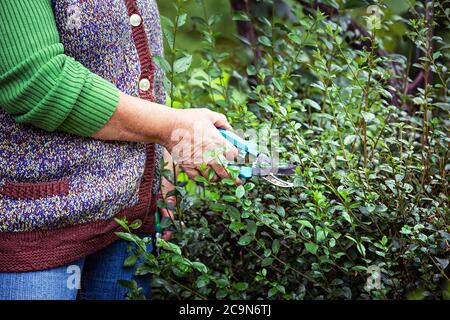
278,182
263,165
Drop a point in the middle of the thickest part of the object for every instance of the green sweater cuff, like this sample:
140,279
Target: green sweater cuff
96,104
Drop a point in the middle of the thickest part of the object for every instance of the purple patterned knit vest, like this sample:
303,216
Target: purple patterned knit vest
60,193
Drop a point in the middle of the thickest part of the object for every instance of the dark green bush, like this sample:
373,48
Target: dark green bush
368,217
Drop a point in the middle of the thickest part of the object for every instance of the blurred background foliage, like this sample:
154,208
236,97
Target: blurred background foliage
189,38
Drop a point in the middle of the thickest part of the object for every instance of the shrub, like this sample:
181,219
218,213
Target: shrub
368,217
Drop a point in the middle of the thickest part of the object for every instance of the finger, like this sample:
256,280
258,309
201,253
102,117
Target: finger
191,172
220,121
220,170
208,170
206,173
178,168
231,152
167,214
167,235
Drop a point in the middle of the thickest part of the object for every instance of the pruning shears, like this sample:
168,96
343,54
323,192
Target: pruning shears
262,165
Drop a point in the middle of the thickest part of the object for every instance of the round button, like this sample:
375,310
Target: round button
135,20
144,84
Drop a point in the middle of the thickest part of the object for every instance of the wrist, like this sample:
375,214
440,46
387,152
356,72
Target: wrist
168,121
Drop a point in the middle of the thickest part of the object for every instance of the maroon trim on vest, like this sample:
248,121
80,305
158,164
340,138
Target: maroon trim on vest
46,249
143,51
147,71
33,191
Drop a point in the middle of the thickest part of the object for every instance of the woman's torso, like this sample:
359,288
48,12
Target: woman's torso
104,177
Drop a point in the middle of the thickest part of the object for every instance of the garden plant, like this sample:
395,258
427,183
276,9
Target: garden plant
368,216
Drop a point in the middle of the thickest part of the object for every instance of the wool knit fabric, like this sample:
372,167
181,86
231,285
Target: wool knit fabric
62,64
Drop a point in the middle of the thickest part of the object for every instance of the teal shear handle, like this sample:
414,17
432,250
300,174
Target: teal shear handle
244,145
247,146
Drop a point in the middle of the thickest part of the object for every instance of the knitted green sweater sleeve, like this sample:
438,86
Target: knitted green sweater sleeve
39,84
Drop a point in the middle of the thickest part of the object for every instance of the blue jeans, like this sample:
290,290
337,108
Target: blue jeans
91,278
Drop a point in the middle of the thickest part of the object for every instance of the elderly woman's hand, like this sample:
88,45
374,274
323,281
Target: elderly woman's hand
190,135
195,140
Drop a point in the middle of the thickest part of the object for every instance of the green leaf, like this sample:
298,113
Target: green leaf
347,217
130,261
312,104
163,64
275,246
249,186
187,202
229,198
200,267
278,84
245,239
241,286
143,269
442,106
169,38
201,179
130,285
273,291
166,222
443,262
182,64
349,139
406,230
136,224
237,226
240,16
251,70
201,282
234,213
361,249
240,191
166,22
229,182
122,222
221,293
368,116
281,211
266,262
306,223
222,282
182,20
265,41
169,246
311,247
127,236
332,242
295,38
251,227
218,207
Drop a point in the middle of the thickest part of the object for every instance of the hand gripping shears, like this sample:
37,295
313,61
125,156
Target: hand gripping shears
262,165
